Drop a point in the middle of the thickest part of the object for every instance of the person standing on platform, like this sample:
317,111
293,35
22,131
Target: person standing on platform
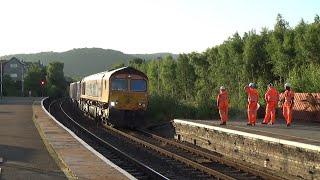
271,97
222,104
288,104
253,98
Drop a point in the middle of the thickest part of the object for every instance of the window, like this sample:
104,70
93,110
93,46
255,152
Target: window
119,84
13,65
13,75
138,85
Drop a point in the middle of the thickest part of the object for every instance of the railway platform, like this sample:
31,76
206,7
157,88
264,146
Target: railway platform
293,152
22,152
76,158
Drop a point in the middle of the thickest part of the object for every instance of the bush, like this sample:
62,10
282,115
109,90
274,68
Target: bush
55,92
164,108
305,79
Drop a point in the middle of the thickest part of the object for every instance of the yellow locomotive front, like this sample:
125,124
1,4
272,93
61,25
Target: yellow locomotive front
127,97
128,92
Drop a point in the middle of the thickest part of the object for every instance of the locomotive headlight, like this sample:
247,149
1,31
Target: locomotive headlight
112,103
142,104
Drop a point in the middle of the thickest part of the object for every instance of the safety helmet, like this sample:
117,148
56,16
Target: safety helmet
252,85
270,85
222,88
287,85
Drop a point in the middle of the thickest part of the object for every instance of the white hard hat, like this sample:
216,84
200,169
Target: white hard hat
222,88
251,85
287,85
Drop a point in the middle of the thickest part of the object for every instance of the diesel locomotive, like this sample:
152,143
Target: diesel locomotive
118,97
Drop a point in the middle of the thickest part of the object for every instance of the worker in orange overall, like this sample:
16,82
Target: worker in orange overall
272,98
253,98
288,104
222,104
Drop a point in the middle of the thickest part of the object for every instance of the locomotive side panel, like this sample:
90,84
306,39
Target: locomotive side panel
73,91
118,97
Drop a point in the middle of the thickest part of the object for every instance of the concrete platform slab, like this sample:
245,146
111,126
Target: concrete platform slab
293,152
77,159
23,153
304,135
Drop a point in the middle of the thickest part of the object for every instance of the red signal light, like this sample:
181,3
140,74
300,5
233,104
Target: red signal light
42,82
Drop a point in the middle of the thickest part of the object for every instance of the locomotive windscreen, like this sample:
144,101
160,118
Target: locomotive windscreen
119,84
138,85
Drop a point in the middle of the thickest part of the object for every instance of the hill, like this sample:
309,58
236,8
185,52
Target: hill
84,61
154,55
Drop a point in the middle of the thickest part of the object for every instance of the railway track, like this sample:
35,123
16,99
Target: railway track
209,163
204,159
118,157
191,162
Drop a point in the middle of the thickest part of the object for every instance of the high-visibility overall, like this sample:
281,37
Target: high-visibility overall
222,102
272,98
253,97
288,105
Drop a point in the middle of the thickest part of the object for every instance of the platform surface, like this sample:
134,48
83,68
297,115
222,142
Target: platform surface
77,159
308,133
23,152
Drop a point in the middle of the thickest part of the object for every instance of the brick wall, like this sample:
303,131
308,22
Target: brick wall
306,107
289,162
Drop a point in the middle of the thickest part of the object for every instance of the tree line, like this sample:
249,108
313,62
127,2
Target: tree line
187,87
52,76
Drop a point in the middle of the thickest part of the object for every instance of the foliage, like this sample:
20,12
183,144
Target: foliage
117,65
32,80
187,87
56,83
306,78
10,87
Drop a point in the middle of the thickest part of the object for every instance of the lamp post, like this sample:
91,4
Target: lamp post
22,81
1,77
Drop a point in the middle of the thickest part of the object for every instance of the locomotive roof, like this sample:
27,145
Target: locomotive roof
108,74
94,76
129,70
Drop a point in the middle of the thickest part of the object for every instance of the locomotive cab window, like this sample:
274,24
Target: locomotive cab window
138,85
119,84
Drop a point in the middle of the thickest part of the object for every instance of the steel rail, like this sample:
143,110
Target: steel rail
264,175
195,165
149,171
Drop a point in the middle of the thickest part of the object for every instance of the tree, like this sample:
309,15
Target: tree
282,54
312,43
185,77
32,80
139,64
117,66
10,87
280,48
256,57
168,76
55,79
305,78
317,19
300,44
136,62
201,67
153,75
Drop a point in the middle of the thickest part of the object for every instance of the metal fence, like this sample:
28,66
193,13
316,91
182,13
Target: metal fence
306,107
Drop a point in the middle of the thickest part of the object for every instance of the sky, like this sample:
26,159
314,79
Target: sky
138,26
